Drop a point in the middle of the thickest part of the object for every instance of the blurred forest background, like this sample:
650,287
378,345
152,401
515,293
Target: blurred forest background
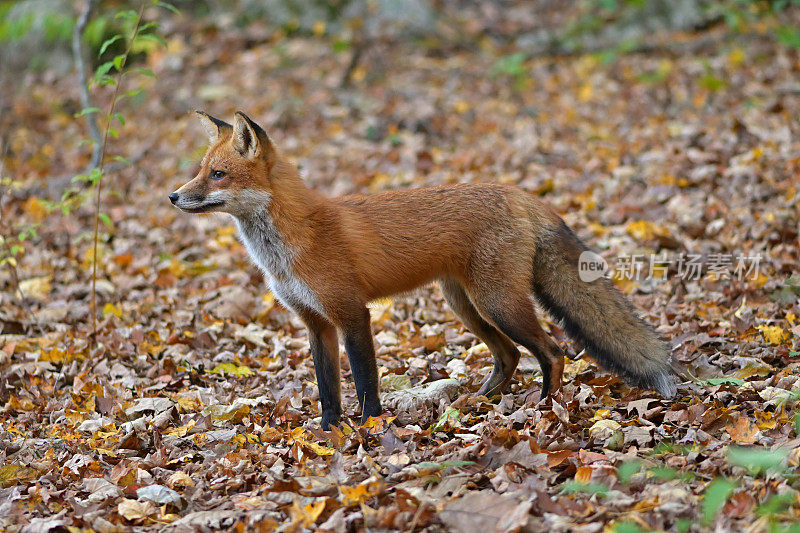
161,386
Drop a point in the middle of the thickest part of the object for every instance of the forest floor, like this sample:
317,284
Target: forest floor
198,407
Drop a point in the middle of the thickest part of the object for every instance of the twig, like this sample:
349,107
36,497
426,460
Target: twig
79,54
347,75
12,268
109,115
55,186
360,42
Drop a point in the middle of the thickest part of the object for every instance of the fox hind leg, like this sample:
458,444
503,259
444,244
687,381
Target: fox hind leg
504,351
515,316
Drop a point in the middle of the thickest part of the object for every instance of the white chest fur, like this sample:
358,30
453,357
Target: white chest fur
271,254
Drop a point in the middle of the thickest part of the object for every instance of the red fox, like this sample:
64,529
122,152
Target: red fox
492,248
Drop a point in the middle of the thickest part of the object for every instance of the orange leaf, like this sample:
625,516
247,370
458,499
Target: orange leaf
583,474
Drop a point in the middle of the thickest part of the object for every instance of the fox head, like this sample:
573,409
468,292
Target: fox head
235,172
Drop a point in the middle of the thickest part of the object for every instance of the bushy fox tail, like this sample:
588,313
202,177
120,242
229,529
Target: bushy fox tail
598,314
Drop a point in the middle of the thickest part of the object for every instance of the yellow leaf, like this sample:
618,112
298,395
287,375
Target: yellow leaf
152,349
36,288
176,268
135,510
180,479
461,107
35,208
379,309
791,317
585,92
181,431
361,493
318,28
106,451
359,73
736,56
111,309
644,230
306,515
189,404
773,334
110,431
545,187
234,369
268,300
598,229
20,404
314,447
14,474
230,413
601,414
764,420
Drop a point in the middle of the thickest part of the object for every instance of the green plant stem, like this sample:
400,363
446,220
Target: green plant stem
109,117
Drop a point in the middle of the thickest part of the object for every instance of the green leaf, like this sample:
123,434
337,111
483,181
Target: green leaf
431,465
152,37
86,111
103,69
117,115
129,14
108,42
341,45
122,159
113,132
724,381
574,487
712,83
776,504
512,65
448,419
789,36
105,219
119,61
627,527
144,27
146,72
716,494
666,473
95,176
395,382
106,80
758,460
167,5
627,470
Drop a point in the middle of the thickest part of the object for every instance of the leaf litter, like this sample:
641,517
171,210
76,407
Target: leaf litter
199,410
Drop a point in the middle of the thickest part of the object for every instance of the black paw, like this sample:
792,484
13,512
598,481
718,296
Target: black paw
328,420
371,409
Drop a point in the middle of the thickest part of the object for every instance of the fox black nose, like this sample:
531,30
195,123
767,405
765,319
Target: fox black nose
173,197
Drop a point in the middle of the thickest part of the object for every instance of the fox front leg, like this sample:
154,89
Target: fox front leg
361,353
325,351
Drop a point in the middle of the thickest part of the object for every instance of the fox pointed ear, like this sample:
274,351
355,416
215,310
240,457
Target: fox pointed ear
250,139
214,127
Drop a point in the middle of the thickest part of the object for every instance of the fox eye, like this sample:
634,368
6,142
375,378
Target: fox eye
217,174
